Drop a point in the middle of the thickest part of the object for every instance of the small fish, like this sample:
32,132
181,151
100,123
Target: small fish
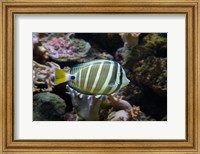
94,77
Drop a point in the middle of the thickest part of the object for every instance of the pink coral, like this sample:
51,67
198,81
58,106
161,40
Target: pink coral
60,48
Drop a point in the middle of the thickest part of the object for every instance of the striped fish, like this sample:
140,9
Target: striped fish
94,77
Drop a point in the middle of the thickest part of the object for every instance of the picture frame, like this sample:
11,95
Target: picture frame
7,124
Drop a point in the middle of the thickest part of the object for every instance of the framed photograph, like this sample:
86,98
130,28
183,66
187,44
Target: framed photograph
99,77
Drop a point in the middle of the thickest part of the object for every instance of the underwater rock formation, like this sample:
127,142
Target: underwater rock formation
40,53
103,42
120,115
156,42
130,114
48,107
70,117
152,72
127,53
132,92
152,45
128,57
118,103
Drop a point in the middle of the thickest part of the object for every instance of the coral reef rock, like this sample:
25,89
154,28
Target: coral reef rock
152,72
128,57
64,49
48,107
118,103
108,42
120,115
156,42
130,39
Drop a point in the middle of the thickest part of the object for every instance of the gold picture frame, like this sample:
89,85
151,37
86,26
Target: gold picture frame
9,8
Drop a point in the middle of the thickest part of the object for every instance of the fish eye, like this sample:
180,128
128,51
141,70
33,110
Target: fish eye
72,77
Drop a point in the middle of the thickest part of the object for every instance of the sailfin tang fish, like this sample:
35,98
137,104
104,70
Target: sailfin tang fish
94,77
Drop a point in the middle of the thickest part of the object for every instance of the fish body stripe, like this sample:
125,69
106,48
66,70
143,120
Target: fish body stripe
118,74
97,77
79,84
112,79
103,76
92,76
83,76
110,72
87,77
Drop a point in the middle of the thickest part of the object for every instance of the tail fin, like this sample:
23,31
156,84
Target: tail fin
61,76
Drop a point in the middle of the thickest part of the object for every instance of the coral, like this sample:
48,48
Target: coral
120,115
152,72
132,56
48,106
35,38
43,74
70,117
103,42
153,45
118,103
119,55
142,117
132,93
103,55
63,49
40,53
81,46
156,42
86,106
133,112
123,110
130,39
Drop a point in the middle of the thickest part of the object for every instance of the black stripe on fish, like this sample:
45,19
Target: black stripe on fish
120,79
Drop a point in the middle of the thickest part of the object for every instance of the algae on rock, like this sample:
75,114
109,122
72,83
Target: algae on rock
48,107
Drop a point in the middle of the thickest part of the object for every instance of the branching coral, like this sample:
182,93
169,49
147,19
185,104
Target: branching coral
43,74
